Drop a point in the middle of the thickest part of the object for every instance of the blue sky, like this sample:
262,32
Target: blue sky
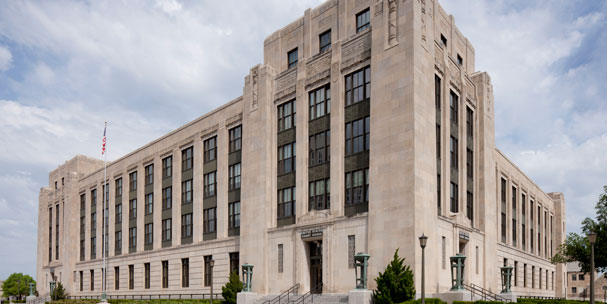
150,66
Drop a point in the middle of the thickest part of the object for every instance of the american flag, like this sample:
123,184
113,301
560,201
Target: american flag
103,146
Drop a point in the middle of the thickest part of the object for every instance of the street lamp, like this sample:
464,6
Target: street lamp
422,243
592,239
212,264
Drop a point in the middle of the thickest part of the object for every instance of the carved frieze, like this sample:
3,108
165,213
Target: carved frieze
286,83
470,90
455,75
379,8
356,50
318,69
233,120
439,59
254,80
212,130
392,22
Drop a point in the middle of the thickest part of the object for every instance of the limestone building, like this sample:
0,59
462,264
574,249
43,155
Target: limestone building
366,126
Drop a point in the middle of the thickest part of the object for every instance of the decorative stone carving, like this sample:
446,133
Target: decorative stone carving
392,22
379,8
209,131
285,85
423,20
335,72
455,75
313,215
439,59
254,81
355,51
318,69
233,120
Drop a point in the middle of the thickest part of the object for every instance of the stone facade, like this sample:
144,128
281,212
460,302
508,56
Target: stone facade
412,151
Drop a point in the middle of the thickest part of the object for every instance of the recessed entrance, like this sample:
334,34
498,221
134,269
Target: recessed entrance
316,266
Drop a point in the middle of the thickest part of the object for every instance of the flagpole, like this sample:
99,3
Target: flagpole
105,199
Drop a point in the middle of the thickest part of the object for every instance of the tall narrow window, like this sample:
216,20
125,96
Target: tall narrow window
286,158
320,102
133,181
324,40
167,197
118,240
185,272
118,213
210,220
357,187
525,275
514,203
234,215
531,226
167,167
186,225
286,202
133,237
133,209
81,280
167,228
234,181
210,184
165,274
131,276
358,136
437,106
351,250
92,279
363,20
208,270
146,268
454,107
149,233
149,203
444,252
234,262
118,187
186,192
149,174
320,148
503,210
477,259
210,149
454,195
286,115
292,58
187,159
319,195
235,139
453,149
515,273
524,221
358,86
280,258
470,206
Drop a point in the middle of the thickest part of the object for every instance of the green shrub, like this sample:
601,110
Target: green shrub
232,287
395,285
59,292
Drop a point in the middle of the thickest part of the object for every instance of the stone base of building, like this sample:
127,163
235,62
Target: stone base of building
360,296
509,296
30,299
247,298
459,295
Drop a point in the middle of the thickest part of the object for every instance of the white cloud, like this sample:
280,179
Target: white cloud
6,58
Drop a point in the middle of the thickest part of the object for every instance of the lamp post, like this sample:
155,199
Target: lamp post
423,239
212,264
592,239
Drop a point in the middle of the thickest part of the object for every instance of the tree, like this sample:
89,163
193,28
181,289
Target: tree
59,292
232,287
17,285
395,285
576,248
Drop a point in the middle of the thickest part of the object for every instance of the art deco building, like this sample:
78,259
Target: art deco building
366,126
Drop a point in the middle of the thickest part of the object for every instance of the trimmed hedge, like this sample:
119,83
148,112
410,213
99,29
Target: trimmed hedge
542,301
124,301
428,301
477,302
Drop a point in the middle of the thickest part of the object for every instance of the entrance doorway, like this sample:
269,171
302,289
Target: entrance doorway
316,266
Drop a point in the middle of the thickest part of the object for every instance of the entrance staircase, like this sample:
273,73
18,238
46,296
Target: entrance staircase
290,296
480,293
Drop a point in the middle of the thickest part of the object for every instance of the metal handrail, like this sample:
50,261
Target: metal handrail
287,293
484,293
310,294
